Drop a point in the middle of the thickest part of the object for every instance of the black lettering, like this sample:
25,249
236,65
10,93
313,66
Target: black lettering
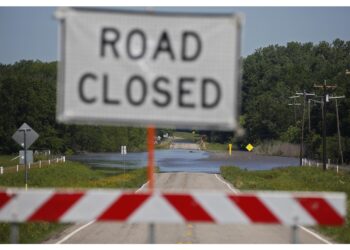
143,92
206,82
105,92
196,52
81,88
183,91
142,36
114,36
164,92
164,46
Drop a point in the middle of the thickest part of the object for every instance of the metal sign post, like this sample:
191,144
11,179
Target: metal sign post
150,172
25,136
123,153
25,157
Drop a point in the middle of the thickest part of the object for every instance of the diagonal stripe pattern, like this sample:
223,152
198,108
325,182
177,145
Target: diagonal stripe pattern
254,209
202,207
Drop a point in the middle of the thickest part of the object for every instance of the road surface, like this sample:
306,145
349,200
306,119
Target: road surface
183,234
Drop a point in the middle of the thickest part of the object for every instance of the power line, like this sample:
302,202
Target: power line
294,104
303,94
338,126
324,86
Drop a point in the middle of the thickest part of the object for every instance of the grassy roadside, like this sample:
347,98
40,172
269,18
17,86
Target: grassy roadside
296,179
5,160
165,144
187,136
68,175
216,147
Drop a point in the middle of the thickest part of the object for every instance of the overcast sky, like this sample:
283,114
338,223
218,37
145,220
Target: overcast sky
31,32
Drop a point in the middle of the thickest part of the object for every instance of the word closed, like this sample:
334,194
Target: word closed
140,69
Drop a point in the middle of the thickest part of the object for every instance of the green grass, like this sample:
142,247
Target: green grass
188,136
73,175
5,160
296,179
165,144
68,175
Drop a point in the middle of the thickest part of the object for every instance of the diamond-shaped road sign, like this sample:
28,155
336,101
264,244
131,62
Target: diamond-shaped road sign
31,135
249,147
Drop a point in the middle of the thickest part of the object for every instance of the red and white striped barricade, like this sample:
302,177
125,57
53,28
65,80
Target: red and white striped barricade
18,205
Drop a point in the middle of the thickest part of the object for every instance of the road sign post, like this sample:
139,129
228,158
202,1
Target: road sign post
25,157
123,153
25,136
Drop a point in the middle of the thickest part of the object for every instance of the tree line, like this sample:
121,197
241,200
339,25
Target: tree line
274,73
270,76
28,94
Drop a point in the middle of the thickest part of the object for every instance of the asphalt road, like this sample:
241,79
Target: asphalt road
183,234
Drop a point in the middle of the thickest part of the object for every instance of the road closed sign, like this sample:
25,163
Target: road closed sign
138,69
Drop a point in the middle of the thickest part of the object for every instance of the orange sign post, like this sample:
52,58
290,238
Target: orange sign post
150,165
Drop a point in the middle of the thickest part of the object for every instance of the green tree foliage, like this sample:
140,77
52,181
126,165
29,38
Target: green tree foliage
28,94
274,73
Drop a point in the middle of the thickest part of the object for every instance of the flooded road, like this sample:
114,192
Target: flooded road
180,160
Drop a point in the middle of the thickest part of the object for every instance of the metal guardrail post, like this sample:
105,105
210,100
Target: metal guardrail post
294,239
152,234
14,234
294,236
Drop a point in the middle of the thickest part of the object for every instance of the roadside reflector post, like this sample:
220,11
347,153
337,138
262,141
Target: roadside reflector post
150,173
230,148
1,170
17,168
49,162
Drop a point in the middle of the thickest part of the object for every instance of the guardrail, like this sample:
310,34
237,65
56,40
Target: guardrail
329,164
38,164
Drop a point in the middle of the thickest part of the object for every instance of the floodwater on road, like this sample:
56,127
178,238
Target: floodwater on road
180,160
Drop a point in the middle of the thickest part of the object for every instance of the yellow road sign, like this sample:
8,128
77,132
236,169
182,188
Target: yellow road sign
249,147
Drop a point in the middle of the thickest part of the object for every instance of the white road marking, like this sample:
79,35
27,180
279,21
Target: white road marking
75,231
315,235
301,227
138,190
89,223
227,184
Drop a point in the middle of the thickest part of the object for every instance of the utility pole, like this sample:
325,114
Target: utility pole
309,116
294,104
301,154
338,126
324,86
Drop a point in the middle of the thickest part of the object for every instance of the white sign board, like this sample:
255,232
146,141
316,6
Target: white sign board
29,156
123,150
126,68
